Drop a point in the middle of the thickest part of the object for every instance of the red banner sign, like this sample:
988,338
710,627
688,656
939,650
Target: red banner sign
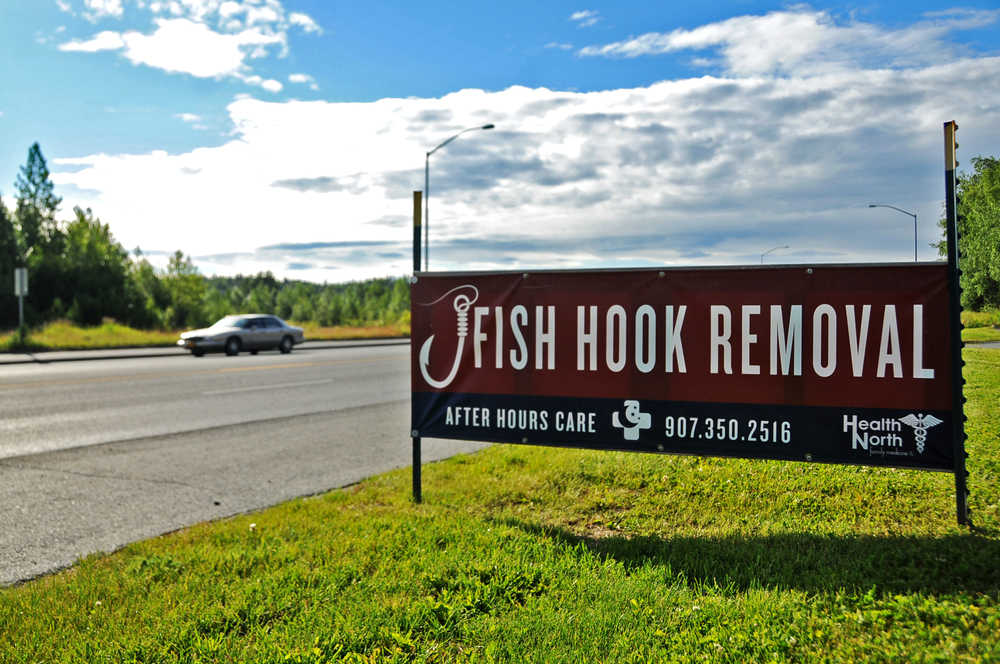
831,363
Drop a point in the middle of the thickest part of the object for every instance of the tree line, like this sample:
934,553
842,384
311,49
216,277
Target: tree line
978,212
78,271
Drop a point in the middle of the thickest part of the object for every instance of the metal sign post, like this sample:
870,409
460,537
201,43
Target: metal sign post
955,314
20,290
415,435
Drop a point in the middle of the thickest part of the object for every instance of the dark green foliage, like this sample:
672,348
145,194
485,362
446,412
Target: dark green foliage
376,301
97,273
979,231
186,290
36,205
8,261
151,293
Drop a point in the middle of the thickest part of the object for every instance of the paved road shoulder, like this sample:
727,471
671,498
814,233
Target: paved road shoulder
62,505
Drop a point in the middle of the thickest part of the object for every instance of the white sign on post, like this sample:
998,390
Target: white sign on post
21,281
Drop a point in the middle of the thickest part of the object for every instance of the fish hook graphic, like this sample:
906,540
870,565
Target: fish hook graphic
461,303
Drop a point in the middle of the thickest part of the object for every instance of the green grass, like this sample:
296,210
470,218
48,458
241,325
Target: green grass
989,318
343,332
980,334
981,326
62,335
528,554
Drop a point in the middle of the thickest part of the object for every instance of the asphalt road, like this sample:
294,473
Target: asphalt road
94,455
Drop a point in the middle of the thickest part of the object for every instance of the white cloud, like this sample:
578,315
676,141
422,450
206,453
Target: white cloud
585,18
64,6
192,119
305,22
303,79
261,15
102,41
559,46
97,9
804,40
271,85
230,8
182,45
709,170
202,38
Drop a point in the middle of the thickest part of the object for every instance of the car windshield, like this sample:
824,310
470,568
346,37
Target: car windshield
228,321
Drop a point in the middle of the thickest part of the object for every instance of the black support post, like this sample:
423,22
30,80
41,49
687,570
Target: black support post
955,313
415,435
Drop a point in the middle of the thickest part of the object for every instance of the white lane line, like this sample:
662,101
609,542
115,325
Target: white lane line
272,386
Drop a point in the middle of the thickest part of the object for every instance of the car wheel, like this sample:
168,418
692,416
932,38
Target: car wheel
232,346
198,353
286,345
253,352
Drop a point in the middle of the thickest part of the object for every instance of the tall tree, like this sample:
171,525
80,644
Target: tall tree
153,296
36,204
979,233
97,268
187,293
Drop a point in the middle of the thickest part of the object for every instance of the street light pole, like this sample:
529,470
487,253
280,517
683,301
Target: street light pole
912,214
427,190
783,246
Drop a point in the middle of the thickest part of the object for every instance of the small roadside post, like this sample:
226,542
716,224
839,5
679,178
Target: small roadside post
414,434
20,290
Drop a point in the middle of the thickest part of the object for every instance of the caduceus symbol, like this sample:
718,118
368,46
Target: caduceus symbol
920,423
462,302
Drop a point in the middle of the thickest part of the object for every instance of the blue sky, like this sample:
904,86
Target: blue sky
288,135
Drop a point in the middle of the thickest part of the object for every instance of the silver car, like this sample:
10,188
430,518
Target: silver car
251,332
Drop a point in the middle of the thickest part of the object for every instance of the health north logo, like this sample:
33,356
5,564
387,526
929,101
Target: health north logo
883,436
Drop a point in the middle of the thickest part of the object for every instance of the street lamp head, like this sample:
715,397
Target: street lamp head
906,212
427,189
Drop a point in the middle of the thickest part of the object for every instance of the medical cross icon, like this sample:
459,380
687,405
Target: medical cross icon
636,420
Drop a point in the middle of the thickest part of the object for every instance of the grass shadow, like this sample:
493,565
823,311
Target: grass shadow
965,563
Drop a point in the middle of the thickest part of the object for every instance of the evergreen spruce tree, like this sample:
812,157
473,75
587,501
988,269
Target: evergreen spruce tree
36,204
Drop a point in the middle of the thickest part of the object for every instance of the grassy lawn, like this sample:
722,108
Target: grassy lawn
980,334
526,554
981,326
61,335
341,332
981,318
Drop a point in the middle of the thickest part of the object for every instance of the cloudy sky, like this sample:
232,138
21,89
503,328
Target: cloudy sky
289,135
